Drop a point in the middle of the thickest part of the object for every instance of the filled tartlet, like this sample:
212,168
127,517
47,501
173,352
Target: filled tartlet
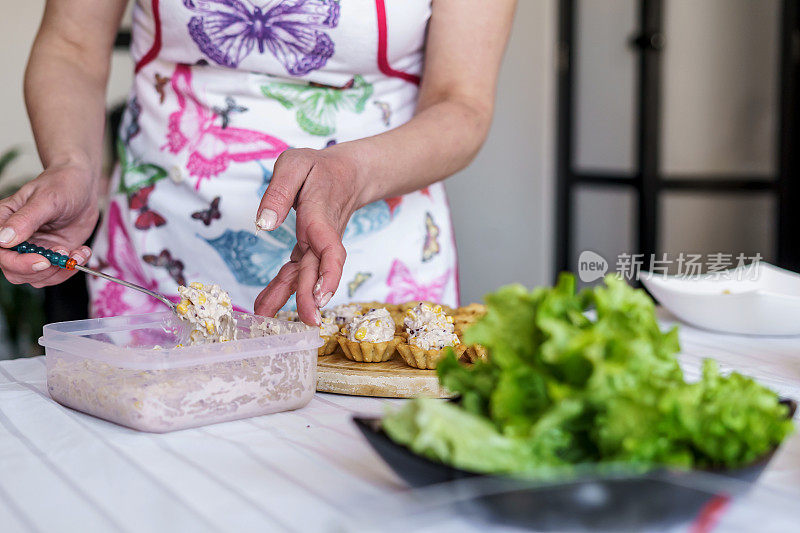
476,352
473,309
412,304
419,331
329,331
463,318
369,338
428,331
343,314
333,320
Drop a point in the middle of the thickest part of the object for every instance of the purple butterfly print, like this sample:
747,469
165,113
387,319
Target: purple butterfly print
165,260
228,30
210,214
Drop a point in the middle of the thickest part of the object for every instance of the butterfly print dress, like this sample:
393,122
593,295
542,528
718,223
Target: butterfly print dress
221,88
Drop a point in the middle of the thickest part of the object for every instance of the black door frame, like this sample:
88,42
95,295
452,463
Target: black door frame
788,154
647,182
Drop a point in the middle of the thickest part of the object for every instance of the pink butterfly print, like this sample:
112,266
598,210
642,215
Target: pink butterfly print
211,147
404,288
122,262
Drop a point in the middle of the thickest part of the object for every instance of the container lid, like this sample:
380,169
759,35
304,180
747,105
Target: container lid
148,342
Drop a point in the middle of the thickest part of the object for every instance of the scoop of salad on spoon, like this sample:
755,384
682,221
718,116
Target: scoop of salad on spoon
205,312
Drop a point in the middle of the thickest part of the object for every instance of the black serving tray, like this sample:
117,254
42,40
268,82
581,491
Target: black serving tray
598,501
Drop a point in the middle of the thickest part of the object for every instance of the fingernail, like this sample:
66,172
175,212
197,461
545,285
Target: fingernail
267,220
318,287
317,317
79,258
40,265
7,235
322,302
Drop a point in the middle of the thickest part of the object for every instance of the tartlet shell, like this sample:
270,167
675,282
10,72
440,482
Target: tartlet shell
461,325
474,309
330,346
476,352
368,352
416,357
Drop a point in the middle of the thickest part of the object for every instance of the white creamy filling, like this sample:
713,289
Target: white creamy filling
374,326
265,328
429,328
209,312
342,314
425,316
434,339
328,327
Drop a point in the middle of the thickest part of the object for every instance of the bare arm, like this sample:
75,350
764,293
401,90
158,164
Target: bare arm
465,45
65,95
466,41
65,82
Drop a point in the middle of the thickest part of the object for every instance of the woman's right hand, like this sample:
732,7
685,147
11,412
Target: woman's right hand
57,210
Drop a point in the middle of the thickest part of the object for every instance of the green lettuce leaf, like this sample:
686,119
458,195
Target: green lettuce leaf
443,432
586,377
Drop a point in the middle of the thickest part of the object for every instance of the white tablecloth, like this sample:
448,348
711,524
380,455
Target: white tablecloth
306,470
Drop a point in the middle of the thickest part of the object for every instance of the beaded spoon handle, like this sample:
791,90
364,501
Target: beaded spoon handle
63,261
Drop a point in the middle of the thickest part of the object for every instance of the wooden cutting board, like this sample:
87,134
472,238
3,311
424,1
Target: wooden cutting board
390,379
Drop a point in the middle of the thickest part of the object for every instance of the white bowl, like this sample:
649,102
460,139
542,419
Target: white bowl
761,302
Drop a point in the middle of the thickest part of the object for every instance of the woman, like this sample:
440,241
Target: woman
348,111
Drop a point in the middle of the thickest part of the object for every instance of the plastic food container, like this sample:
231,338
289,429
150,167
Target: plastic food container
126,370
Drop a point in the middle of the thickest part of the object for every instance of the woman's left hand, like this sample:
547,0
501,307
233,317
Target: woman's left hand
451,120
323,187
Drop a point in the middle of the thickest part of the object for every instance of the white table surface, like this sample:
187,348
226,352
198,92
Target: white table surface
306,470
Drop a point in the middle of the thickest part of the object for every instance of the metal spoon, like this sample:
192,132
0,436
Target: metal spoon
63,261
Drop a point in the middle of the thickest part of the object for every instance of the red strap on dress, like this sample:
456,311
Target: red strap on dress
156,48
383,61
